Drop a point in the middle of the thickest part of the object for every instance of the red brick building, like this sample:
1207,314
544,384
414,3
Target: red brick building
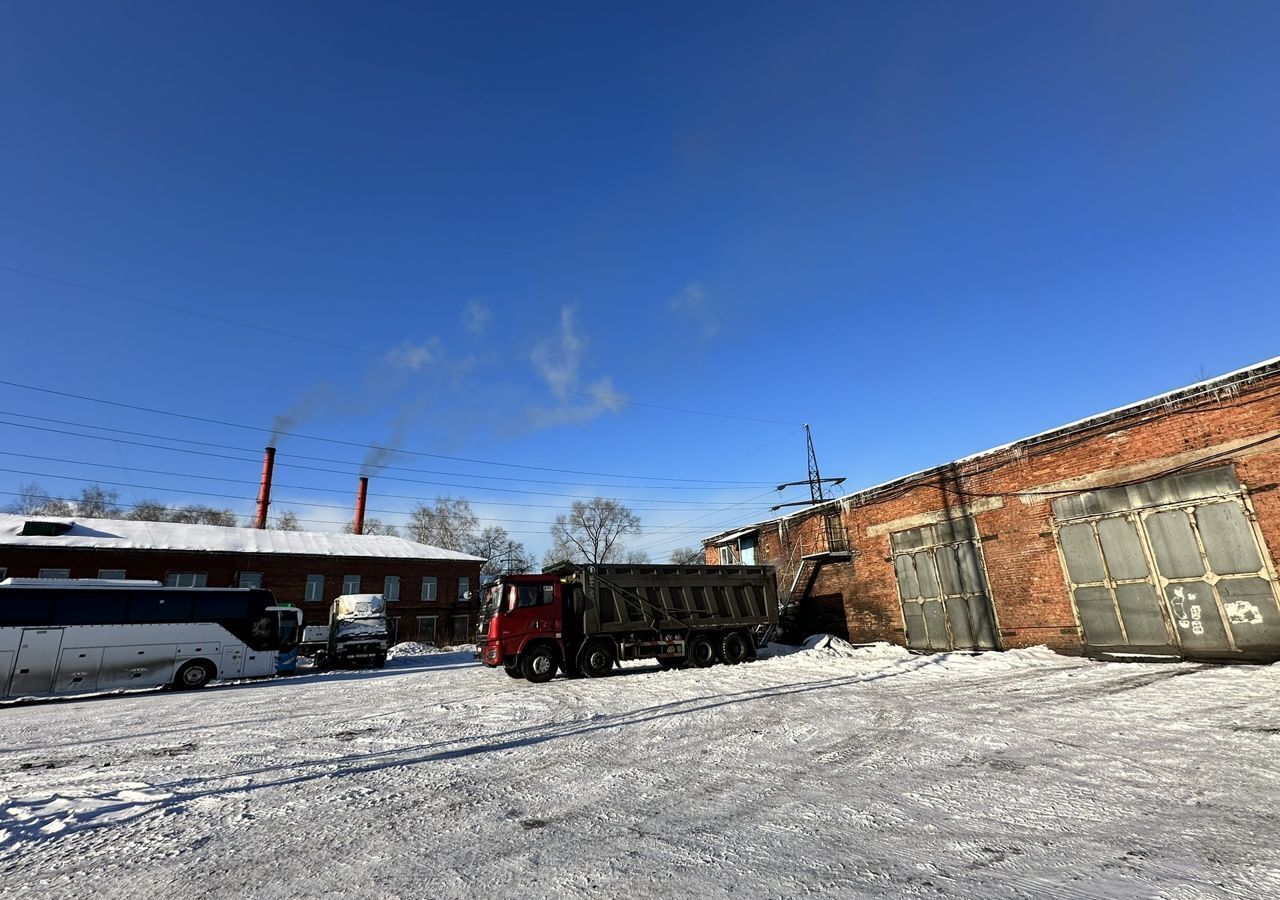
1146,530
424,585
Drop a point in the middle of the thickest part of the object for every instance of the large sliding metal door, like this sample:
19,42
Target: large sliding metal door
1175,566
942,585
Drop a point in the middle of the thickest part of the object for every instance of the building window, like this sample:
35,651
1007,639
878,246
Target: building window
726,555
464,585
111,574
350,584
186,579
427,629
942,585
54,573
460,630
250,579
315,588
391,588
429,589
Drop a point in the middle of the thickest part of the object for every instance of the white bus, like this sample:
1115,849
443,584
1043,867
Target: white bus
64,636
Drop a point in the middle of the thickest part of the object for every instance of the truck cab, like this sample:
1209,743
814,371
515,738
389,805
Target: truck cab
519,614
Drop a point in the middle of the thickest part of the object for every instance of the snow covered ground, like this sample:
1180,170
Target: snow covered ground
865,773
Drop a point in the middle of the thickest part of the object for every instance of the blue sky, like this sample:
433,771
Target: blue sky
924,228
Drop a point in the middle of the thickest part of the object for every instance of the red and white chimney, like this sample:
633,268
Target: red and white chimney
357,527
264,493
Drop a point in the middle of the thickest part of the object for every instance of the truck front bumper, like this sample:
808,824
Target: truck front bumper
489,653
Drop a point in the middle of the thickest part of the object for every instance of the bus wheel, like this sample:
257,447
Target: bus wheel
733,649
512,667
702,652
596,660
539,664
193,675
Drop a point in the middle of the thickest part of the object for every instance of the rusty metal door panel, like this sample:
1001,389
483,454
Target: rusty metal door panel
1174,544
1195,613
925,575
908,586
1123,549
949,571
958,618
1250,607
1098,617
1228,538
972,575
935,620
1084,559
913,617
1143,617
983,617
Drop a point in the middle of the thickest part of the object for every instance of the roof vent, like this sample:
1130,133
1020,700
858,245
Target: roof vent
44,528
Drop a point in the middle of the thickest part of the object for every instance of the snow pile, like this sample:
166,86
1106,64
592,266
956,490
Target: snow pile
412,648
832,646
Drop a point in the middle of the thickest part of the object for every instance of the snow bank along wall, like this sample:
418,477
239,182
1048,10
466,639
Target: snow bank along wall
1145,530
307,569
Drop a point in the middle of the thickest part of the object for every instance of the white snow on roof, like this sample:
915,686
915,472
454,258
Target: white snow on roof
124,534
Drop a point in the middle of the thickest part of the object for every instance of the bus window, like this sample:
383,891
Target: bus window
95,608
146,607
210,607
26,607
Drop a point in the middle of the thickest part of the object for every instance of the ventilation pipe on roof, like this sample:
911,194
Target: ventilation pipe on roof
357,527
264,493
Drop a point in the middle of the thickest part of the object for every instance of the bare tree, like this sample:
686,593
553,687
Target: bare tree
688,556
636,558
33,500
286,521
502,555
149,511
198,514
96,502
449,524
592,531
373,526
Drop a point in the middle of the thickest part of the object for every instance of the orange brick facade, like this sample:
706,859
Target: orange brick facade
1009,491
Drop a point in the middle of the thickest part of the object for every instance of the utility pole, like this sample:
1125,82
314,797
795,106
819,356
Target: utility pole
817,494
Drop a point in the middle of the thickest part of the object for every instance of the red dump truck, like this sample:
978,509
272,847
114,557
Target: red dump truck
584,619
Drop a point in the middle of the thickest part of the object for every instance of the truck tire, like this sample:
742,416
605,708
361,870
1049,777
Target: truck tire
596,659
195,674
701,651
733,648
512,668
539,664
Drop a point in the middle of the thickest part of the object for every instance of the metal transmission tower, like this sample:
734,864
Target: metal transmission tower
817,494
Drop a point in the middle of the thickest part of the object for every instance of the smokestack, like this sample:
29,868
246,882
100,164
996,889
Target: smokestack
357,527
264,493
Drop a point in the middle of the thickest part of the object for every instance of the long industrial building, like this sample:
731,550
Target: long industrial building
1142,532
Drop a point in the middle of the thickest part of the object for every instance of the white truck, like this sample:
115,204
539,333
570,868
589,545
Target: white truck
357,636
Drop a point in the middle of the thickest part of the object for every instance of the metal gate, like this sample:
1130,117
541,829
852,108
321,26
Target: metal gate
942,585
1175,566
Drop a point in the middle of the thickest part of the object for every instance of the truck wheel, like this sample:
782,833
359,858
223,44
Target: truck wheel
733,648
702,652
512,668
596,660
539,664
193,675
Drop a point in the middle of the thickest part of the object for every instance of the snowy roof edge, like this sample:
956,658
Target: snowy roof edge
1246,375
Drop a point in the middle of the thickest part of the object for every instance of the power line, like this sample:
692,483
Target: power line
332,345
309,437
354,466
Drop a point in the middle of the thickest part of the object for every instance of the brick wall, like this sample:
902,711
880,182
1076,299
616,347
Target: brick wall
1028,589
283,574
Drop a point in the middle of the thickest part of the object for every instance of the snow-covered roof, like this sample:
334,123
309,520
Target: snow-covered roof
1207,388
735,535
126,534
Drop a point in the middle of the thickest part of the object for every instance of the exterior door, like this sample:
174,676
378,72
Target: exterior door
1185,575
942,585
37,662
